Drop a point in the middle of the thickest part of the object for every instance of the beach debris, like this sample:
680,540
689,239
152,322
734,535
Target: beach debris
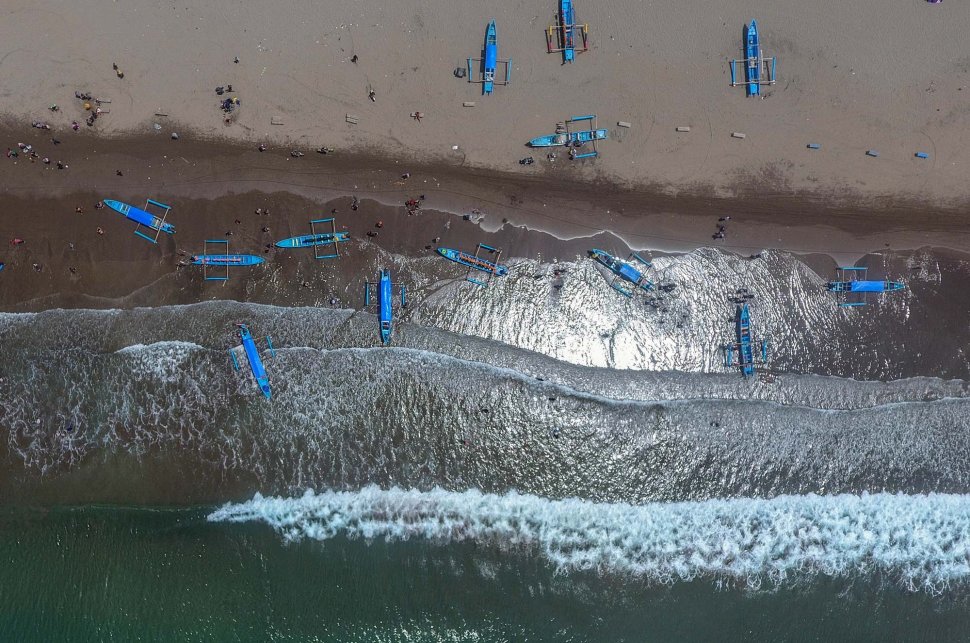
872,153
157,127
175,136
275,120
417,116
40,125
738,135
922,155
372,95
623,124
82,95
460,72
324,150
468,103
118,72
350,118
261,148
683,128
354,59
296,154
527,161
814,146
236,59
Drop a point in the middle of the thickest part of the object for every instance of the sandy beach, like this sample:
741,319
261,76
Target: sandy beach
851,77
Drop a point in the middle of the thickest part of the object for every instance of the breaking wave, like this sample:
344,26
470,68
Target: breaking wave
920,542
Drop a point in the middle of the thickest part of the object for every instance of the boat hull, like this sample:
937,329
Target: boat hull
565,140
226,260
310,240
472,261
753,66
139,216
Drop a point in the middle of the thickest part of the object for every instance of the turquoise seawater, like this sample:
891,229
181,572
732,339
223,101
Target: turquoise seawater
120,574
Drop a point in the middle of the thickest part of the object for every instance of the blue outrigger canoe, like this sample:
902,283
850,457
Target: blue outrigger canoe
310,240
472,261
623,270
143,218
226,260
491,58
385,302
744,344
254,359
753,54
568,18
570,138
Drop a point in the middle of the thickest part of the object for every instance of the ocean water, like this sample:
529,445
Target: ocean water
539,460
123,574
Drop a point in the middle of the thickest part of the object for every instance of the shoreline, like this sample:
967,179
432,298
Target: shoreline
211,185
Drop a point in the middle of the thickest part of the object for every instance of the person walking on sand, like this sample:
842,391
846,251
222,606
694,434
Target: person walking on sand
372,95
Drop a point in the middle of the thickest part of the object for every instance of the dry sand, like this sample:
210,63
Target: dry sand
870,74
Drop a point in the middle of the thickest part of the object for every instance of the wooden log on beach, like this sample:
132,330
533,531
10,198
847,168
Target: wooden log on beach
738,134
683,128
350,118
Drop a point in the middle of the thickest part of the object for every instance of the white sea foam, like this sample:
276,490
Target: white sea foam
923,542
159,346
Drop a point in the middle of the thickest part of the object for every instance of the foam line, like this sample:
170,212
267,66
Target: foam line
922,542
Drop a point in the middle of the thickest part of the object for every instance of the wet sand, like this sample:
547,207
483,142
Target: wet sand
212,185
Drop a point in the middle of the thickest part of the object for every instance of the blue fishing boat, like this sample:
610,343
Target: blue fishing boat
489,63
624,272
226,260
248,348
144,218
385,302
562,35
310,240
491,58
854,292
316,239
758,70
753,52
475,262
744,344
567,136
